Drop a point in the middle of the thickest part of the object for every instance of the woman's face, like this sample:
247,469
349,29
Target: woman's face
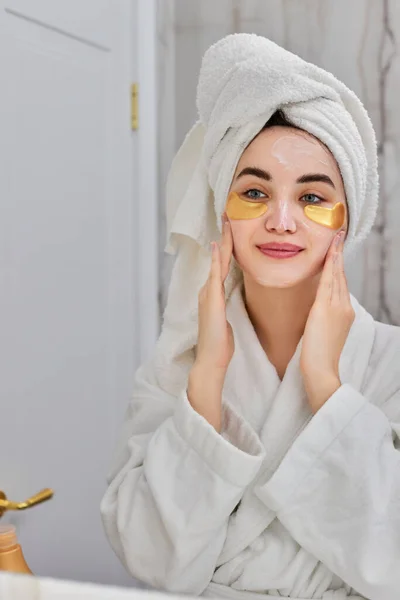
286,170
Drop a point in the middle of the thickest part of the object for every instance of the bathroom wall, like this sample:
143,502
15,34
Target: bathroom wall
358,42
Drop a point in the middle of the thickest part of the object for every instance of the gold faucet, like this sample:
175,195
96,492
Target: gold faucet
41,496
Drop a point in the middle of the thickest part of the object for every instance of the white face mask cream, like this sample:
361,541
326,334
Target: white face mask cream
288,150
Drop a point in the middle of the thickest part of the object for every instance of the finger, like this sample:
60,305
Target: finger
335,295
342,279
324,291
215,271
340,288
226,249
333,246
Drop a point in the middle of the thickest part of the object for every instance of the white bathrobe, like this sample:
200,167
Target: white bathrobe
282,503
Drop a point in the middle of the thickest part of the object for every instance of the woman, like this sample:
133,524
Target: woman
260,452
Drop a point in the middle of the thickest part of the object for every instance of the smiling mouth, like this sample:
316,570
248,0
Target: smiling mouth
280,253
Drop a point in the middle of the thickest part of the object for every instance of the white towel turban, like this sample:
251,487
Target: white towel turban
244,79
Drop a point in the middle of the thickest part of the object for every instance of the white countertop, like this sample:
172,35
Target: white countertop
27,587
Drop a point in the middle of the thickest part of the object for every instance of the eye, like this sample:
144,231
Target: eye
254,194
311,198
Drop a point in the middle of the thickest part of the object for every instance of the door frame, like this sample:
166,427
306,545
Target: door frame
146,191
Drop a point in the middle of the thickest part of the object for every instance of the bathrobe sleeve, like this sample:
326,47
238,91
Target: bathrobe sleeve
337,491
174,483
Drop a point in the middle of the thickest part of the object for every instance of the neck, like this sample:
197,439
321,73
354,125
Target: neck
279,317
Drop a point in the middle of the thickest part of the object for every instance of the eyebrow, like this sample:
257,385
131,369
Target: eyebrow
307,178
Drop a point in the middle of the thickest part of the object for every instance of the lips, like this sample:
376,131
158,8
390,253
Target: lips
283,250
280,246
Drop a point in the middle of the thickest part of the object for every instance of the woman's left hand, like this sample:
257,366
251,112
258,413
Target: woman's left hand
327,328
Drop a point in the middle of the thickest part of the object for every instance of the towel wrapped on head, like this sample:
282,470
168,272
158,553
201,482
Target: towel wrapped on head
244,79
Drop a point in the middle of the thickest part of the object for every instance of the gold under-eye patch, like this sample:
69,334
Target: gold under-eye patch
239,208
329,217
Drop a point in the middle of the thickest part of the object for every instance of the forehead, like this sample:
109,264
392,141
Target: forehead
287,147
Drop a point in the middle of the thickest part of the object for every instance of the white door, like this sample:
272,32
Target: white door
67,268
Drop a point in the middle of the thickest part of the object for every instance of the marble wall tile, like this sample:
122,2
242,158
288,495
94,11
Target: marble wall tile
386,284
356,41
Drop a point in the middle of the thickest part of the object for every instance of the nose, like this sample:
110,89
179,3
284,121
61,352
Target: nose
280,217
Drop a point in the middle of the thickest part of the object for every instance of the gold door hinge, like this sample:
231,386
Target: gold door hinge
135,105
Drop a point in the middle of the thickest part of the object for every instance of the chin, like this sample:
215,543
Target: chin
278,282
282,276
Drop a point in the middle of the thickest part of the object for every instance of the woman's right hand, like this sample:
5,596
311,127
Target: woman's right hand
215,345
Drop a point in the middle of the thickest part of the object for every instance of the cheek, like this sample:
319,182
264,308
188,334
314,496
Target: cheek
319,239
242,233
